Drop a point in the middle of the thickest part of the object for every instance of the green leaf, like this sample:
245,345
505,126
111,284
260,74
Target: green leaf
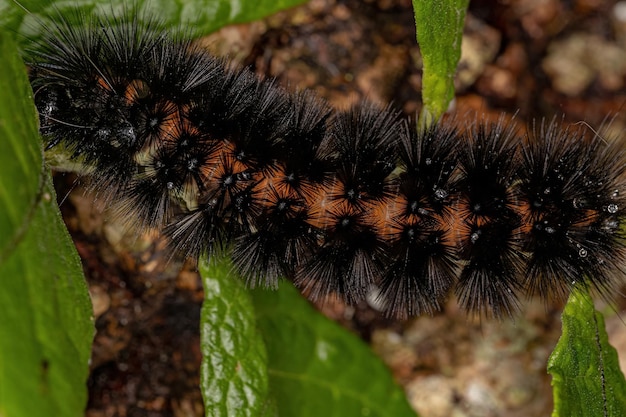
586,376
234,365
45,313
316,367
20,160
199,17
439,25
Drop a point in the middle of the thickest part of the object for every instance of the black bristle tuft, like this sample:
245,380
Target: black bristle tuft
574,191
489,229
282,239
365,141
422,268
348,262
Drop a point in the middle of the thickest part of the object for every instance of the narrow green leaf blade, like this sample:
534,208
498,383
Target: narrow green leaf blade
586,377
45,312
316,367
439,25
234,378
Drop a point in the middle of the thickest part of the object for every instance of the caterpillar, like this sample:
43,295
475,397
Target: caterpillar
339,201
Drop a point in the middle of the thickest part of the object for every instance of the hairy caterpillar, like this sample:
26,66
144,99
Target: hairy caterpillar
338,201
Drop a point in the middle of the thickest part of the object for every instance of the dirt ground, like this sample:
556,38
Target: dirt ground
528,58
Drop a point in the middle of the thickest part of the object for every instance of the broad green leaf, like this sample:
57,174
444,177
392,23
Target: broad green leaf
20,160
45,313
317,368
47,326
439,25
586,378
234,365
199,17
